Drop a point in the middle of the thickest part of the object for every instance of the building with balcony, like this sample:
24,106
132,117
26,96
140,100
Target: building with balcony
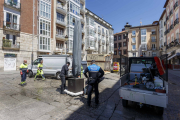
121,45
53,20
172,31
99,35
162,30
143,40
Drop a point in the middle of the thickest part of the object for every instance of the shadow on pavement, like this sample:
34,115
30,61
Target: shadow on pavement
110,107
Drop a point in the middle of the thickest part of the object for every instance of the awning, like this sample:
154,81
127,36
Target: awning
177,54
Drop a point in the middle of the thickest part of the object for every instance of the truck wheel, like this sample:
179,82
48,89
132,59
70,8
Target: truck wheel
124,103
30,74
58,76
159,110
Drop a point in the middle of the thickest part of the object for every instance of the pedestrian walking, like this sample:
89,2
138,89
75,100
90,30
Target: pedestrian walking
93,81
40,71
63,75
23,71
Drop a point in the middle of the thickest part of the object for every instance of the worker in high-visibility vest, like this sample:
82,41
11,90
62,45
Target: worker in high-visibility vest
23,71
40,71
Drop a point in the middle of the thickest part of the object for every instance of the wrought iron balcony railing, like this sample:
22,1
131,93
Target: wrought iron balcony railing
175,5
176,21
8,44
11,26
171,12
167,18
171,27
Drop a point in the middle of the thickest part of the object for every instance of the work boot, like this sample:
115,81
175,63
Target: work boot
21,84
63,92
43,79
96,105
24,83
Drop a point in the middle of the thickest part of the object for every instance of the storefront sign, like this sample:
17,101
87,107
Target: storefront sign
115,66
10,55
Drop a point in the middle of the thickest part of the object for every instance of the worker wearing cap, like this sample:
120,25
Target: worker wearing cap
23,71
93,71
40,71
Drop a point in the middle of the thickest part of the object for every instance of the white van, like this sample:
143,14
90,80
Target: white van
52,65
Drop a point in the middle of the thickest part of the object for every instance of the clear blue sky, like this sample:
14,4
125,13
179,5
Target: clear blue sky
118,12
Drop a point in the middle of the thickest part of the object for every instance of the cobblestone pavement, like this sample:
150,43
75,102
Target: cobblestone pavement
41,100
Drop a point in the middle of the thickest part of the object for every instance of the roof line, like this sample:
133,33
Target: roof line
98,16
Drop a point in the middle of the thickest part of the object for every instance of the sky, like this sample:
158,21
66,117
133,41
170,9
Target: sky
118,12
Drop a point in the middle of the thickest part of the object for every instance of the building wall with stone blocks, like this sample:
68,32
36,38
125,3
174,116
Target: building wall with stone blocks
25,51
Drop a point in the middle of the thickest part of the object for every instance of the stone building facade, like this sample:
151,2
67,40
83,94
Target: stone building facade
120,45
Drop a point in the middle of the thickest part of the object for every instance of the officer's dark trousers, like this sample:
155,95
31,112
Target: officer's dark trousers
23,76
90,89
63,81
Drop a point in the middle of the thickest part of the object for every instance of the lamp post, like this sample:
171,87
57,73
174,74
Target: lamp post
66,38
32,35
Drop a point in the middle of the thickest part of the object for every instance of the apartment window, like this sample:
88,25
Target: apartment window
124,51
74,9
153,38
115,38
119,37
119,44
70,32
102,30
144,53
82,25
119,52
153,54
92,22
161,33
14,39
90,32
134,54
45,10
115,52
44,27
124,36
81,5
143,38
59,31
60,17
115,45
134,47
133,40
7,36
153,45
133,33
176,15
143,32
124,44
171,21
8,17
59,45
44,43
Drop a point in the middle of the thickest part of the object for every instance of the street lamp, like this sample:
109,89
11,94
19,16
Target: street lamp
66,38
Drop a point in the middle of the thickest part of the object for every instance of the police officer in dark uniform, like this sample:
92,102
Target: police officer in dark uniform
95,72
64,72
